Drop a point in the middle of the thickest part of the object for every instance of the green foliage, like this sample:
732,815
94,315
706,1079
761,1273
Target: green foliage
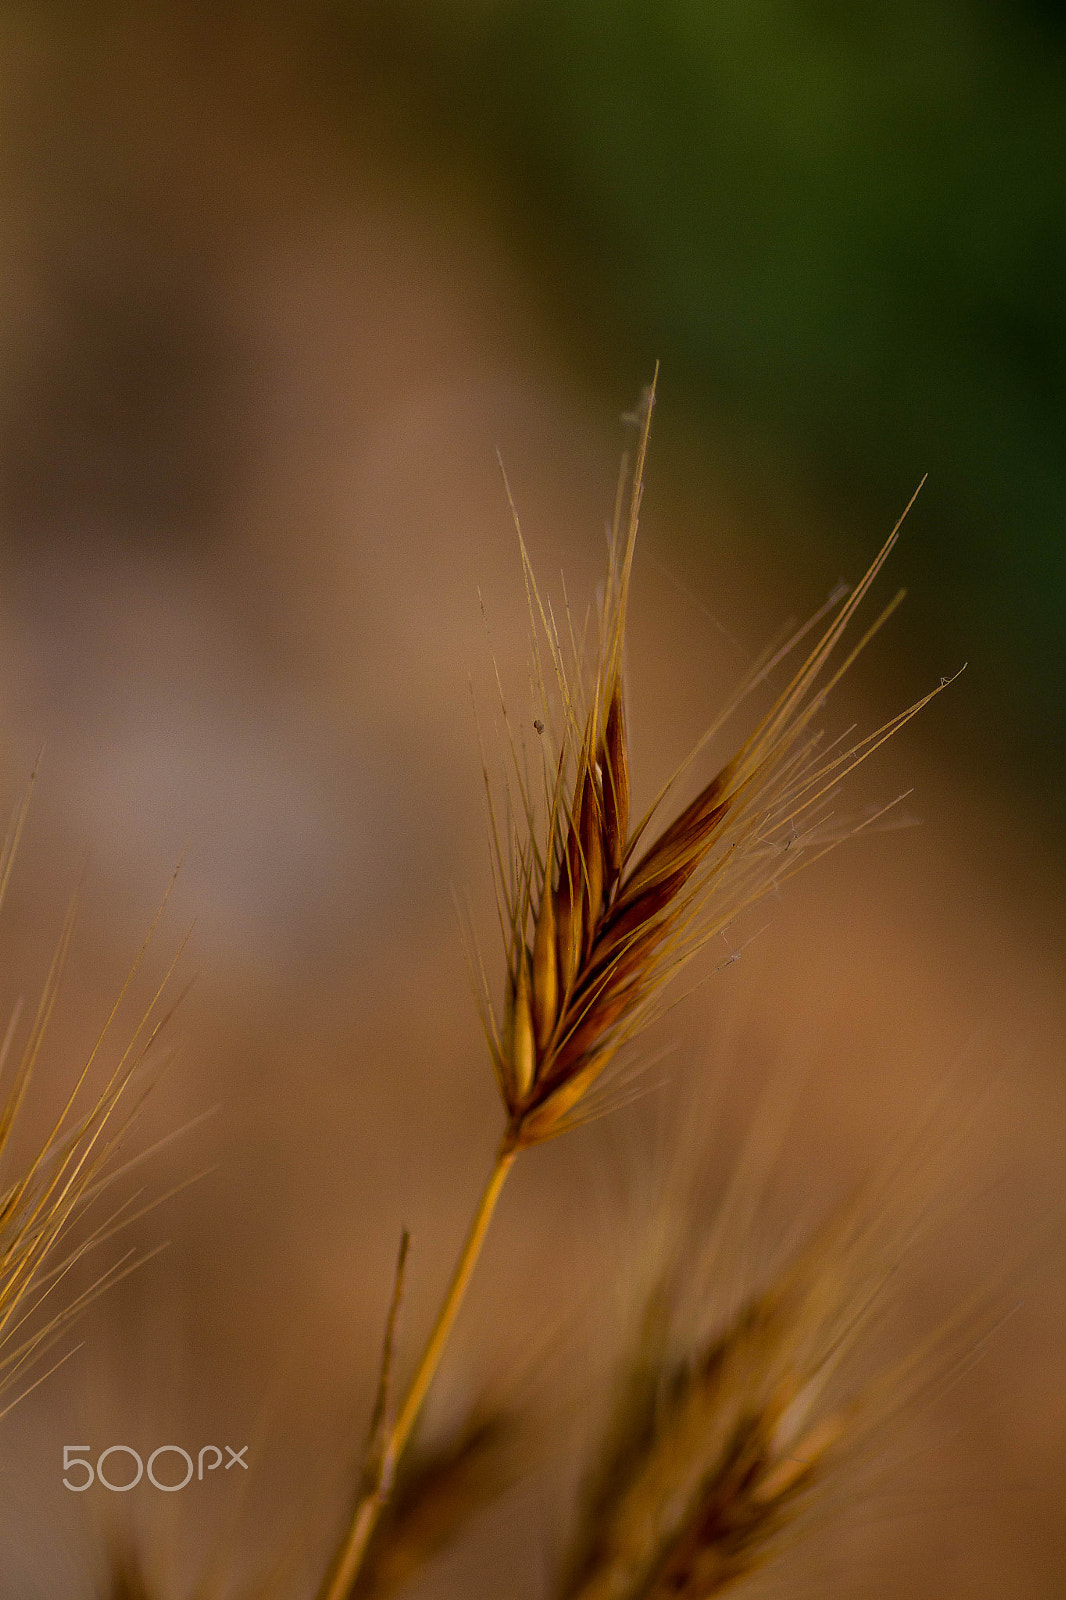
842,229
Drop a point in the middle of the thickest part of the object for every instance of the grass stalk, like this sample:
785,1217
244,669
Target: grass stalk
350,1553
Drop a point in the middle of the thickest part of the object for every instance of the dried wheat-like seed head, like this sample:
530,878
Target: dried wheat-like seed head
73,1164
706,1462
597,915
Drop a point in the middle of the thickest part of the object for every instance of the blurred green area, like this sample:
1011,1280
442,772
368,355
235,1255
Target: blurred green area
842,229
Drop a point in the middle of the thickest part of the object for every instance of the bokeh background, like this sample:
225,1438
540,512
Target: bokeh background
277,284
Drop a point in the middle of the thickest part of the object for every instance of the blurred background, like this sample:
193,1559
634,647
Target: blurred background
278,282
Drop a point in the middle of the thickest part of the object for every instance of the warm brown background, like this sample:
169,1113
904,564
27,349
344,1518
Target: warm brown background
255,376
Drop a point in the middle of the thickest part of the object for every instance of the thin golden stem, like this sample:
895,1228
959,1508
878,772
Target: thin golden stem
349,1557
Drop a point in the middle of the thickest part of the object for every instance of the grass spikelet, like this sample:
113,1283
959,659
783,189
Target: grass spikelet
627,911
72,1166
713,1471
748,1395
707,1459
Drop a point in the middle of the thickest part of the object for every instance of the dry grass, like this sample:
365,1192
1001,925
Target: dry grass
713,1448
598,916
708,1463
596,919
73,1165
719,1437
